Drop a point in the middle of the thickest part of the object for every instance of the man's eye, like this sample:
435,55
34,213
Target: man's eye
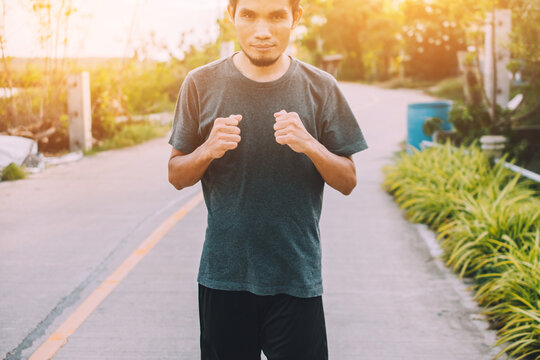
246,15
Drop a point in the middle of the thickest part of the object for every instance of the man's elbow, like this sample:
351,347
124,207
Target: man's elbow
174,183
349,183
349,186
173,180
349,178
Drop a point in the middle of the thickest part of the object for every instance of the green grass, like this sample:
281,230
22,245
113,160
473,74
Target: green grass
405,83
130,135
13,172
451,89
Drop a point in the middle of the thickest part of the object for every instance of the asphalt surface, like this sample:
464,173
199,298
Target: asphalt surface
64,231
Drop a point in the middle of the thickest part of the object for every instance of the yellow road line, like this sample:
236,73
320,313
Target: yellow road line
60,337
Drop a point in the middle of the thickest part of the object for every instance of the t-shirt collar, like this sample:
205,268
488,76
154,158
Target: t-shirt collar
258,84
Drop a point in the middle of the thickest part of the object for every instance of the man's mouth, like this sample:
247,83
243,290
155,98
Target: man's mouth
262,47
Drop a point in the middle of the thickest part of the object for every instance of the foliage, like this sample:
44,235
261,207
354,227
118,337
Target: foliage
132,134
525,35
198,56
424,187
488,224
160,81
472,121
431,39
107,100
513,296
313,20
524,145
431,125
449,88
13,172
363,32
524,46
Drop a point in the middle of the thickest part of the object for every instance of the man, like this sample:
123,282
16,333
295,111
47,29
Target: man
263,132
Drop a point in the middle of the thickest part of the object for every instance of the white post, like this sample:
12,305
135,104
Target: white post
79,112
503,27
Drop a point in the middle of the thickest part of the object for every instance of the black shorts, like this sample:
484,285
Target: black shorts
237,325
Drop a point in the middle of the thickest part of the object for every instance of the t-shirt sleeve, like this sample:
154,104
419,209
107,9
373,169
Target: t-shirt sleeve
341,133
185,135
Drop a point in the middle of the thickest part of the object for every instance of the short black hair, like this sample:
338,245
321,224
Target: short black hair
295,4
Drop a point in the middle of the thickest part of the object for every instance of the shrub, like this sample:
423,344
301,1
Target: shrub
513,299
488,220
131,134
13,172
449,88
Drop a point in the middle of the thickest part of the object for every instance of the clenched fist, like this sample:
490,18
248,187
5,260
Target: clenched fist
224,136
289,130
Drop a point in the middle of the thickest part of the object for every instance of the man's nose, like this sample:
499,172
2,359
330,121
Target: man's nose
262,30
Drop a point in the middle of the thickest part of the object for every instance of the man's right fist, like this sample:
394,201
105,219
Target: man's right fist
224,136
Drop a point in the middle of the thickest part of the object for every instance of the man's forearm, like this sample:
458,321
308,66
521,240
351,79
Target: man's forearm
187,170
337,171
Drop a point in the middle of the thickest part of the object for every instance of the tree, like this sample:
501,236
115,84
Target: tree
432,37
364,32
53,21
344,32
7,76
381,41
525,49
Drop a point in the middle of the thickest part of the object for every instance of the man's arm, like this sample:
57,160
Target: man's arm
187,169
337,171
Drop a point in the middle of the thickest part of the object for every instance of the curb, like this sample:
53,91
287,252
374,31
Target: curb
463,287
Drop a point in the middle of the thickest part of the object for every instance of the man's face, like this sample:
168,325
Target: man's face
263,28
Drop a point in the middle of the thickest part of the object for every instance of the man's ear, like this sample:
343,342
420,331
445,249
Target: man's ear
230,12
297,16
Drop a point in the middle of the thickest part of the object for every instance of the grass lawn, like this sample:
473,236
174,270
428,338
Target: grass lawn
129,135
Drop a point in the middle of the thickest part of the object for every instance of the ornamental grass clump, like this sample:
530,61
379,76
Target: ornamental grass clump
488,224
428,185
512,298
496,220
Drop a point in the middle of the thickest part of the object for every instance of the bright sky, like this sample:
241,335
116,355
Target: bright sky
101,27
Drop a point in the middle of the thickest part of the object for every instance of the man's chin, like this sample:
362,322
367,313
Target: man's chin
262,61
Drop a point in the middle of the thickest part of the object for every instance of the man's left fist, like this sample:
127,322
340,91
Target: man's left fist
289,130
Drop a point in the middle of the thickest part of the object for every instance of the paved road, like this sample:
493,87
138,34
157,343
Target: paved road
65,230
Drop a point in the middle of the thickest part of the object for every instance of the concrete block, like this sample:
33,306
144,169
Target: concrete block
79,111
503,28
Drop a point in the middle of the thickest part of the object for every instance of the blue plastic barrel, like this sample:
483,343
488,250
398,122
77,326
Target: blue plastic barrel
417,113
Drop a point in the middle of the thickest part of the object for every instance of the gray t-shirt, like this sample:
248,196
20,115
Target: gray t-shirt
264,200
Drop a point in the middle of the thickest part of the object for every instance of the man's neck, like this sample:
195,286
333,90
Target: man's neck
261,73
